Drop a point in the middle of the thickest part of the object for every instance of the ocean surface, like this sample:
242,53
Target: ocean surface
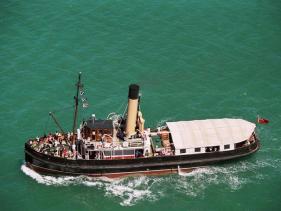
194,59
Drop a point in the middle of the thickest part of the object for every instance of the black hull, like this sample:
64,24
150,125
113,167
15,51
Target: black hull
113,168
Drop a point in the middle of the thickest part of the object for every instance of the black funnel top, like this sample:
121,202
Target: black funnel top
133,91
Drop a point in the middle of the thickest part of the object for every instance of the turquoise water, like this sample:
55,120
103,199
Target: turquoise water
192,59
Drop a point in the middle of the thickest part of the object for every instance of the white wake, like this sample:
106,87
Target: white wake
129,190
132,190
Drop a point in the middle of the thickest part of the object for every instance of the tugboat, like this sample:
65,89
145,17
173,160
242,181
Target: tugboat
122,146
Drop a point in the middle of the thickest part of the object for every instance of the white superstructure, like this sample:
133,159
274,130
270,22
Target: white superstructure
194,136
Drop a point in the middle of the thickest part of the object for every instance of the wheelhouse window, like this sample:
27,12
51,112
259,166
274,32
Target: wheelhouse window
197,149
227,146
182,151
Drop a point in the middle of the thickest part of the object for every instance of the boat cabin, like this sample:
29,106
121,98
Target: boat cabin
95,130
212,135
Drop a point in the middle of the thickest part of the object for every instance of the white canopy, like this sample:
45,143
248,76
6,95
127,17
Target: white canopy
210,132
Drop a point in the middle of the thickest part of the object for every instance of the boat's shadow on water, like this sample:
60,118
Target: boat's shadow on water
231,175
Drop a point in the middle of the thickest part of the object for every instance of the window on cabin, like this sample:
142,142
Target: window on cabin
216,148
107,153
182,151
240,144
198,149
227,146
129,152
212,149
118,152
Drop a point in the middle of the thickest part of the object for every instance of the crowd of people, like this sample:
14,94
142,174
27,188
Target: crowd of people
57,145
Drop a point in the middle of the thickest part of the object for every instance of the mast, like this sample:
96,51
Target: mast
78,85
56,121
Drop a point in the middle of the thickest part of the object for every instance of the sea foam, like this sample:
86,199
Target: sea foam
132,190
129,190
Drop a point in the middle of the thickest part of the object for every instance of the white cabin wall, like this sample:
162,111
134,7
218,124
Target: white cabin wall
189,151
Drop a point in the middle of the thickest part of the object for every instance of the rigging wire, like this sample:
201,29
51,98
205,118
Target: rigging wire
120,107
125,110
46,127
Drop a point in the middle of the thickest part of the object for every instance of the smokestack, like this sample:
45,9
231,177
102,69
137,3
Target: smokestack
133,99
